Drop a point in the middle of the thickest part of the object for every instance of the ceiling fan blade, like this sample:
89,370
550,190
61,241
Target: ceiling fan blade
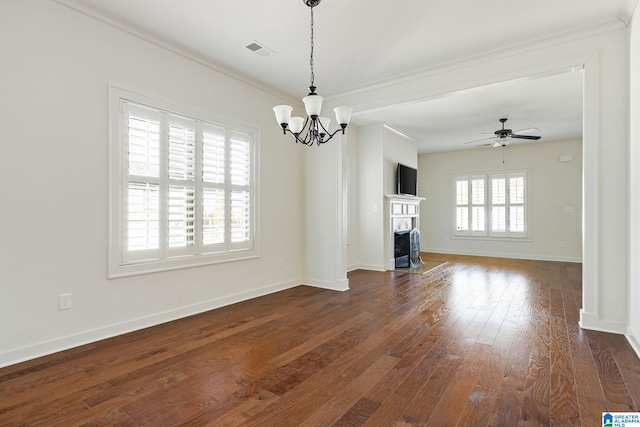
527,130
532,137
477,140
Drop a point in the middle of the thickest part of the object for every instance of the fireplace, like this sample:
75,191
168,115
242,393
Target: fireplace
403,237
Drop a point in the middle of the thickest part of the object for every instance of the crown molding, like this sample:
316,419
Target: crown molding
484,57
627,8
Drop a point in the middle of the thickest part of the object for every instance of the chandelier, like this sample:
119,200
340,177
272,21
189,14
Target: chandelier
315,126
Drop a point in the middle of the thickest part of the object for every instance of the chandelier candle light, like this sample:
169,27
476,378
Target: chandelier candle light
317,127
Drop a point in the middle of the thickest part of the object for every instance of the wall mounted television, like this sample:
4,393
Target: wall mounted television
407,180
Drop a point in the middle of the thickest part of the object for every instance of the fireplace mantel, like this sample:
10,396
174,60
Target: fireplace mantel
402,197
402,213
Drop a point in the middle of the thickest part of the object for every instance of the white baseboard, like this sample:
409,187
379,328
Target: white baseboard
12,357
535,257
372,267
634,340
339,285
593,322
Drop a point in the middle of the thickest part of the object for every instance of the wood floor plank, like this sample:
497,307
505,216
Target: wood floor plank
478,342
477,410
615,390
358,414
462,384
341,402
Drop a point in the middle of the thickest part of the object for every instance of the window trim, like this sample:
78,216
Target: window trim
118,161
488,234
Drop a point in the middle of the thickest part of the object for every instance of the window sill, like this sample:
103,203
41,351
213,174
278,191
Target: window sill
493,238
155,266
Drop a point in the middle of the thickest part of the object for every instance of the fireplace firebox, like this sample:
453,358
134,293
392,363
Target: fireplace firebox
407,248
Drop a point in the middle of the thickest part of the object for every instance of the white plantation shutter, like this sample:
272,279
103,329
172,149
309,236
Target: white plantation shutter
516,219
508,205
181,185
478,218
181,207
143,216
240,148
516,204
462,191
498,201
502,206
498,191
214,155
187,191
213,217
470,205
182,149
143,141
240,171
142,175
498,219
478,204
462,204
462,218
240,216
516,190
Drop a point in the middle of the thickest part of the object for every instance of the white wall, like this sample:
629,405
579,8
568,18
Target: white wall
371,199
397,149
633,326
553,185
56,64
381,149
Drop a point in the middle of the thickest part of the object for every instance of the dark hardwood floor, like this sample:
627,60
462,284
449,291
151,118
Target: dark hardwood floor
477,342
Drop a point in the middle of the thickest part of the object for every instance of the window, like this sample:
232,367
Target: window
491,205
182,188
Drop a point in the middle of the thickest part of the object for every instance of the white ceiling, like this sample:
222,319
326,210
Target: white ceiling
359,43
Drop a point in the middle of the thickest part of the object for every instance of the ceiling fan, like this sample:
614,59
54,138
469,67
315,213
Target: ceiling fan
503,136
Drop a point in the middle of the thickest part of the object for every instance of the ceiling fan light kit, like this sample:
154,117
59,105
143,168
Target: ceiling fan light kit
317,126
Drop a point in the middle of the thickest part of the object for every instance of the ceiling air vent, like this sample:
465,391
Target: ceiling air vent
260,49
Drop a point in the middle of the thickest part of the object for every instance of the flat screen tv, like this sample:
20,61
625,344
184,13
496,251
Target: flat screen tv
407,180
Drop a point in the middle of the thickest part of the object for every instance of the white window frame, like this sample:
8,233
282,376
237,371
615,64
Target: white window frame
489,232
123,262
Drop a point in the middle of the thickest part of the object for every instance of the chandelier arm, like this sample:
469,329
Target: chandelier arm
302,131
333,134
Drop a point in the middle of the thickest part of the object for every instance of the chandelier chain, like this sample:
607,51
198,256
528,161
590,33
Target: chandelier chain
311,56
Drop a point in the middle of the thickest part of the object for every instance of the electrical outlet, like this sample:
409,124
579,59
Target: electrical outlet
64,301
561,244
280,263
